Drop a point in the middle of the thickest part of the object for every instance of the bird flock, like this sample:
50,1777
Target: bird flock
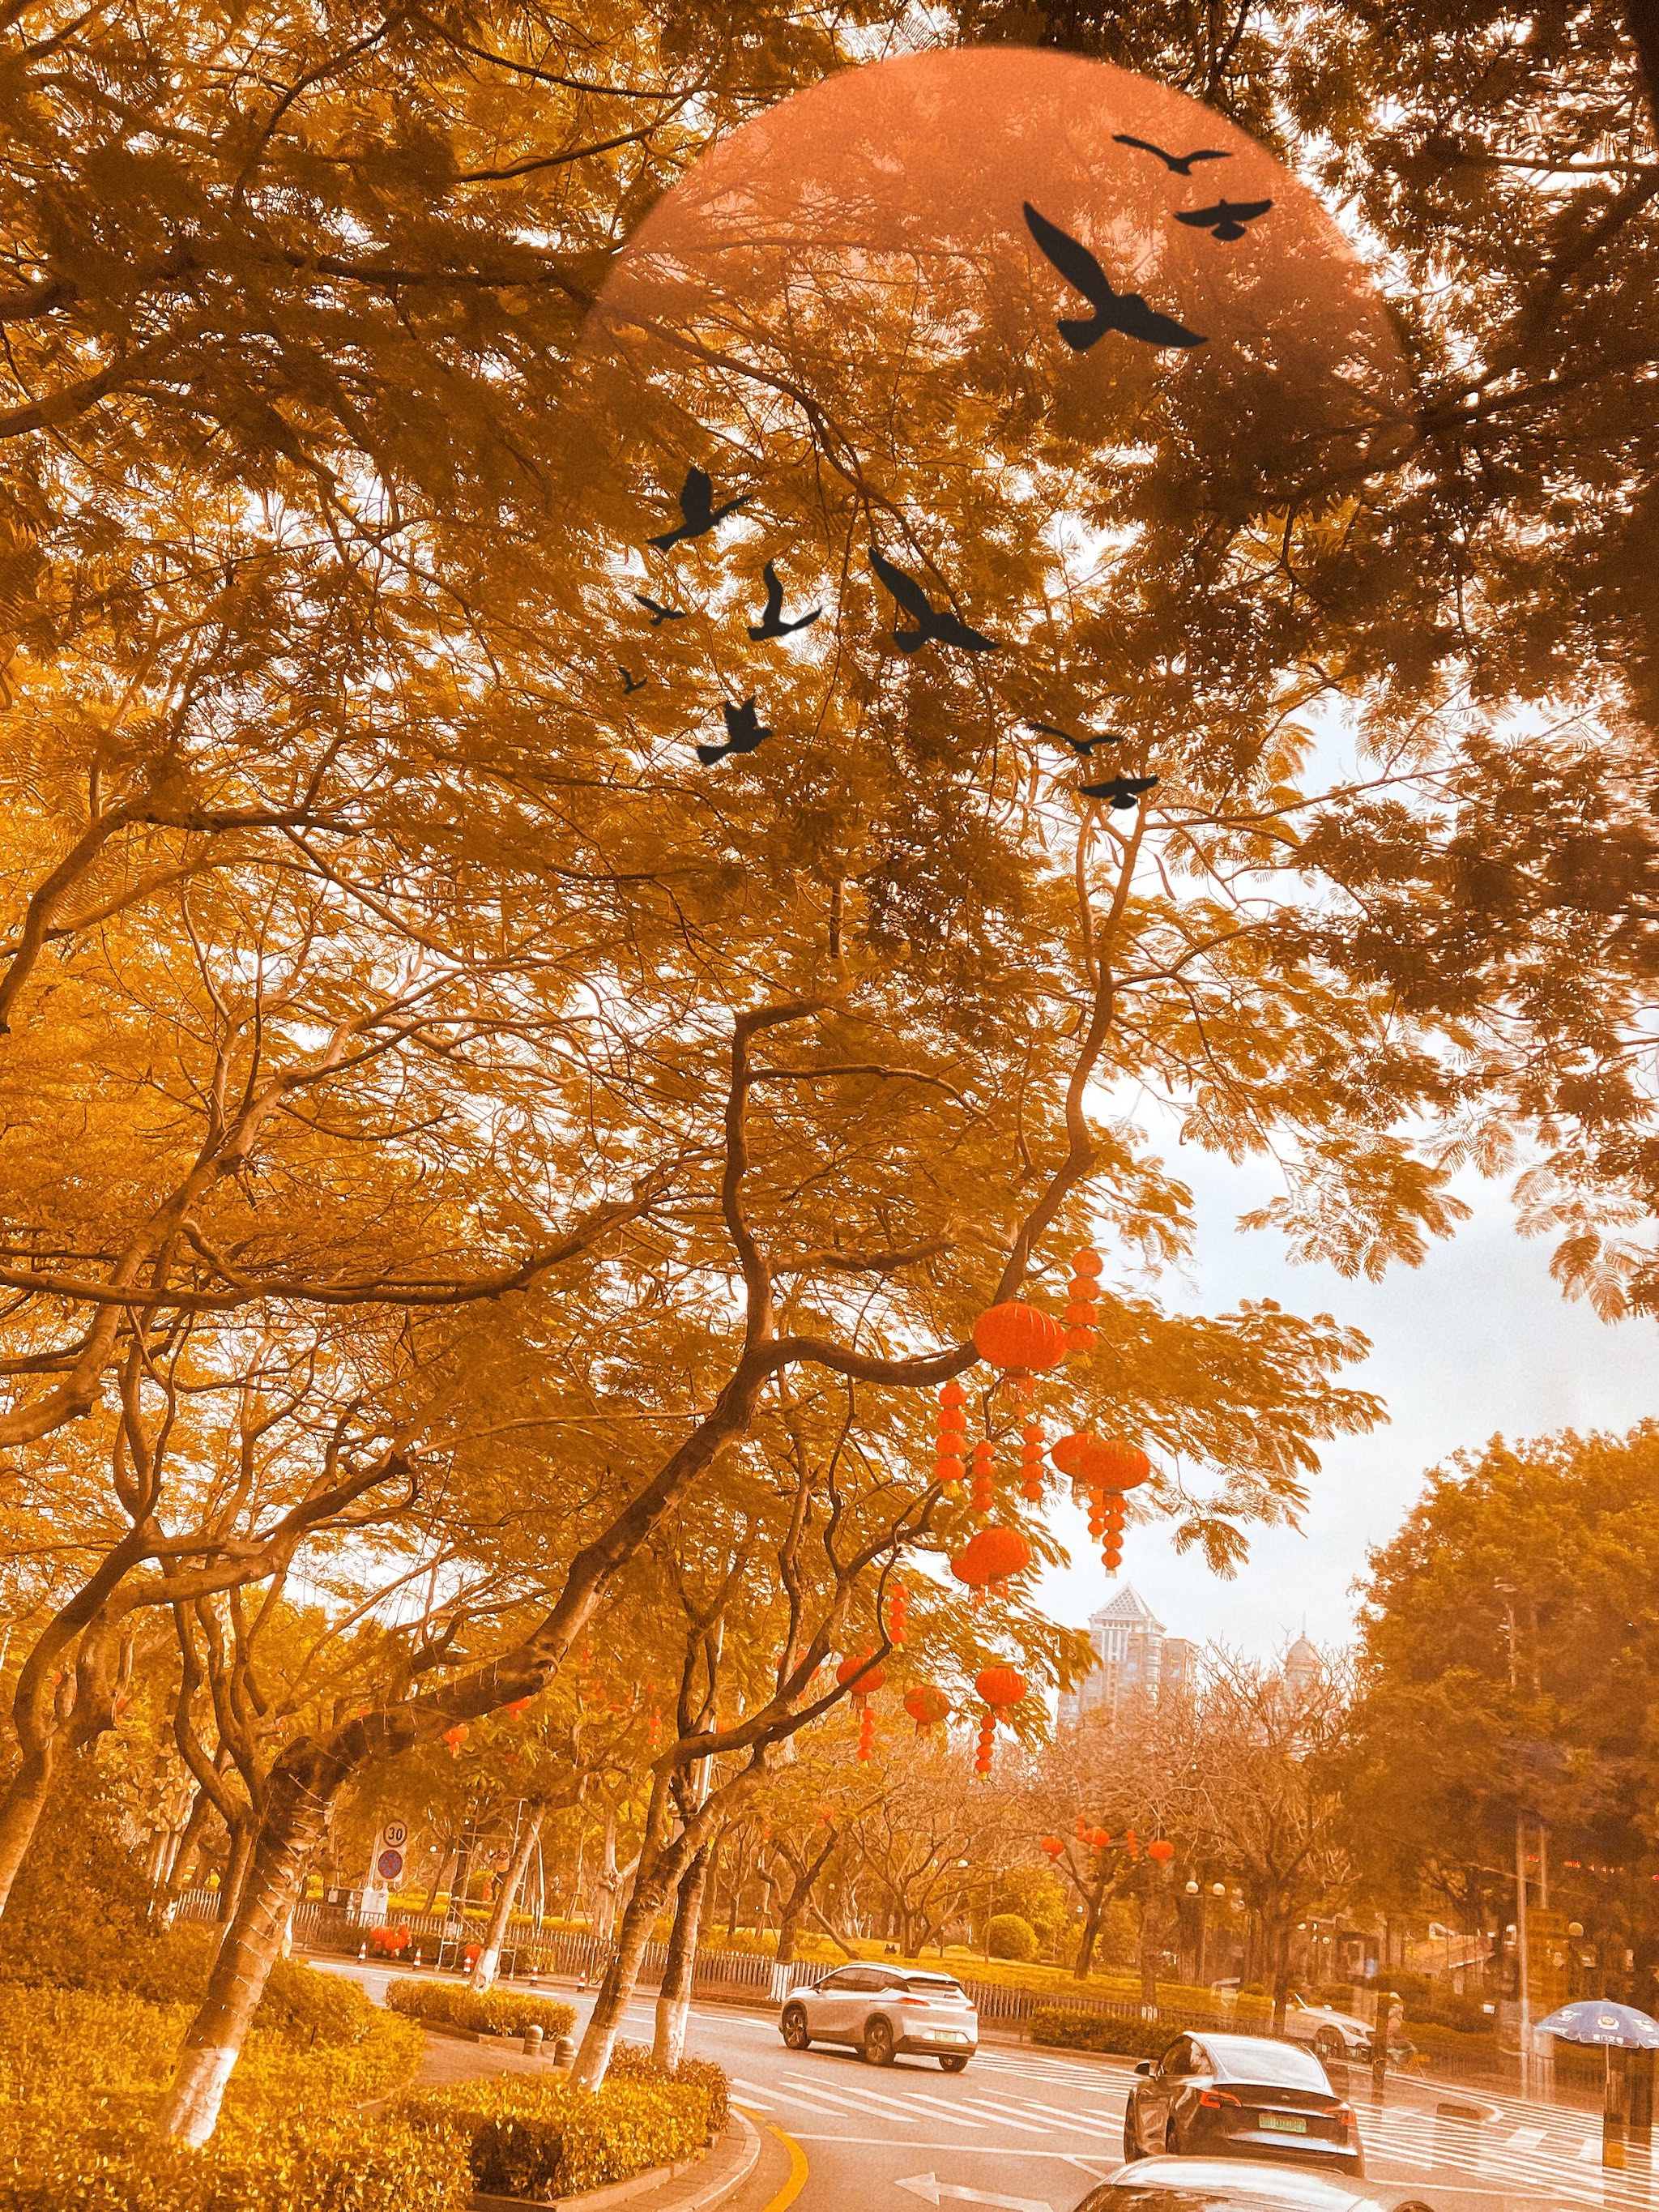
1128,314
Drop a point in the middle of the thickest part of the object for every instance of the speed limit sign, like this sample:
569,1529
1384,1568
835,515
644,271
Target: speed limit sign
394,1834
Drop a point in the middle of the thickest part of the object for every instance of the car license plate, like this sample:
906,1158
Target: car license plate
1284,2124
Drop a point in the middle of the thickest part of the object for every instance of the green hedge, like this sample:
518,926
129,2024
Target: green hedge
82,2059
344,2165
632,2062
485,2012
543,2139
1099,2031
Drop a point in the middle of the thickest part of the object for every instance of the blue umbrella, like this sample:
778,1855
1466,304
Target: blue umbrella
1598,2020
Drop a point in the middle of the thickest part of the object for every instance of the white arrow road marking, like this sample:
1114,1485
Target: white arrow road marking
926,2186
1524,2139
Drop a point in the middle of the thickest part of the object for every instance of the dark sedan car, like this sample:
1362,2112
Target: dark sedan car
1191,2184
1240,2096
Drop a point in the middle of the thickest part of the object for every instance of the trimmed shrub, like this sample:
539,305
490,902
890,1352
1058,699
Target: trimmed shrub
79,1911
343,2165
1009,1936
1099,2031
528,2138
85,2057
481,2012
632,2062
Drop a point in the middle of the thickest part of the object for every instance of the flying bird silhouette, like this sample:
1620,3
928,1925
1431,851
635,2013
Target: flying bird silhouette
1226,219
698,509
937,623
743,732
1127,312
658,614
771,623
1081,747
630,683
1181,163
1122,791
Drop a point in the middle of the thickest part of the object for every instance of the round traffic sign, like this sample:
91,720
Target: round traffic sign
394,1834
389,1865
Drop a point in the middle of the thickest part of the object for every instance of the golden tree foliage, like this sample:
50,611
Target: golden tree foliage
619,1150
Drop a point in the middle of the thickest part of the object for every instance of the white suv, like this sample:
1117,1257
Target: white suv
881,2010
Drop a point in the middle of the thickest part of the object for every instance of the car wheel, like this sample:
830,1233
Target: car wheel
794,2029
1131,2148
1328,2044
953,2061
878,2042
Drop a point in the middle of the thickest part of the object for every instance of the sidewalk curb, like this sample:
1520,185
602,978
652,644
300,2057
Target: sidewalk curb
734,2163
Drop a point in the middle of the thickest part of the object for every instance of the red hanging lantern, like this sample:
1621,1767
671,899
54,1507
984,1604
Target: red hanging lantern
895,1616
987,1730
1162,1849
455,1737
925,1705
1054,1845
1020,1338
1082,1829
1130,1844
1000,1687
951,1440
991,1556
984,1493
868,1686
1083,1293
1098,1838
1101,1463
866,1731
1031,1461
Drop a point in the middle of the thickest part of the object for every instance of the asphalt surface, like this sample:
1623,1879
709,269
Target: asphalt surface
1034,2130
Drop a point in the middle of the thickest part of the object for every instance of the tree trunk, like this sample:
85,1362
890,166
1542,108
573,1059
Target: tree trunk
1278,1952
20,1813
295,1820
789,1927
237,1858
483,1974
1642,21
616,1990
1085,1949
674,1998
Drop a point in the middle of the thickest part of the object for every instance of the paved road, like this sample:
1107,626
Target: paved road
1033,2131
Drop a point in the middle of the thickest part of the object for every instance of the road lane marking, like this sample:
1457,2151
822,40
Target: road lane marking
845,2101
824,2109
928,2187
897,2105
950,2111
1004,2119
1523,2139
1070,2119
798,2171
851,2101
751,2095
983,2150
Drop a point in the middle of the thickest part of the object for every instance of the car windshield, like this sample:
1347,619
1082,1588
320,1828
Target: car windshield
1255,2058
935,1985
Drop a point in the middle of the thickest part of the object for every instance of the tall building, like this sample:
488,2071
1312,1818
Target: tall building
1133,1659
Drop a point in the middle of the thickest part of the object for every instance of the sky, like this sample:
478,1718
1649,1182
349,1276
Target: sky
1475,1341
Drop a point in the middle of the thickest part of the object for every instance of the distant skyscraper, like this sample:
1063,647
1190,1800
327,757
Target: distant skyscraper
1133,1659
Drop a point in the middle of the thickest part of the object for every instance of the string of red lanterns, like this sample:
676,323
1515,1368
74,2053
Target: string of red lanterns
1001,1688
